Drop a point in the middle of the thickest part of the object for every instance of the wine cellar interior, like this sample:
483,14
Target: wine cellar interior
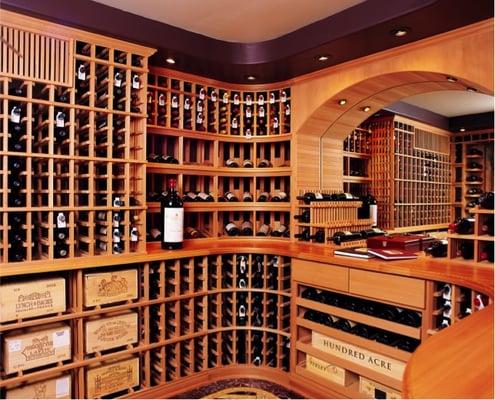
307,226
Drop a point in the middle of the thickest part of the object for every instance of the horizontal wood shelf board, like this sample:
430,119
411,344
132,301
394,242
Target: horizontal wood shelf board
222,171
227,206
361,318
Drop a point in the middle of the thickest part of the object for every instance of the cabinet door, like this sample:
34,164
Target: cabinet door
319,274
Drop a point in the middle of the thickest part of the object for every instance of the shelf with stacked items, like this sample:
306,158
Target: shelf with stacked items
357,160
73,158
472,238
232,185
328,216
472,169
208,311
410,172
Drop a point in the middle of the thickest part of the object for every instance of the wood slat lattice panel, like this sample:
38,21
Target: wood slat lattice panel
30,55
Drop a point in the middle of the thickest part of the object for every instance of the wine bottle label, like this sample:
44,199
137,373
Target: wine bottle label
261,100
283,96
234,123
202,93
15,115
61,222
275,123
175,102
102,246
103,231
264,229
117,202
230,226
318,196
135,82
229,163
117,80
203,195
60,119
101,216
248,112
173,222
242,283
348,196
281,229
213,96
225,98
282,195
116,220
155,233
161,100
287,109
261,112
229,195
199,118
374,215
81,73
249,100
134,235
236,99
187,104
248,133
272,98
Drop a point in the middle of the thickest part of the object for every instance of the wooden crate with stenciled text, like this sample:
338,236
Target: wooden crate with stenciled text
329,371
111,378
56,388
110,287
108,333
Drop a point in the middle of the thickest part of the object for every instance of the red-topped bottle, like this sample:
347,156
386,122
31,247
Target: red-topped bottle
172,218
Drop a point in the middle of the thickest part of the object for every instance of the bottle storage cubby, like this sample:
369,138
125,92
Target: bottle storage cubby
357,162
472,170
195,106
75,151
221,178
175,318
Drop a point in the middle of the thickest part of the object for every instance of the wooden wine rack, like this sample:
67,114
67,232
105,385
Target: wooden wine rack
410,174
332,217
345,374
201,151
187,319
80,175
357,162
461,144
478,240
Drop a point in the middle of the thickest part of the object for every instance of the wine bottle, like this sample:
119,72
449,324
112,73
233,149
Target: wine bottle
304,235
264,164
247,228
203,196
311,294
280,196
487,252
190,196
280,230
247,164
474,178
304,217
465,226
319,236
407,344
474,152
228,197
389,313
247,197
474,191
344,325
410,318
386,337
60,227
466,249
61,250
264,196
347,197
372,232
487,226
231,163
308,197
364,331
474,165
486,201
438,248
263,230
192,233
241,311
172,218
232,229
340,237
369,209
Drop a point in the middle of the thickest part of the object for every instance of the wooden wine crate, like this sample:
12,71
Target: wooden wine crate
112,378
110,287
358,355
32,299
57,388
108,333
329,371
22,351
376,390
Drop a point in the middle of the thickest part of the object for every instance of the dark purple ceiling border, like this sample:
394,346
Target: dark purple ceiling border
358,31
419,114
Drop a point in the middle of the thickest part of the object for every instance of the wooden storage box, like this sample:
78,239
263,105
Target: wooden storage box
112,378
110,287
22,351
329,371
57,388
359,356
108,333
32,299
376,390
410,242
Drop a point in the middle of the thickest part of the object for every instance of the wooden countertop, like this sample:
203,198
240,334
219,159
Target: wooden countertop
456,363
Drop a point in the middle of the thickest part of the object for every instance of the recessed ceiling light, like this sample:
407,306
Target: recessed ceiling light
451,79
400,32
462,130
323,57
342,102
471,89
366,108
250,77
170,60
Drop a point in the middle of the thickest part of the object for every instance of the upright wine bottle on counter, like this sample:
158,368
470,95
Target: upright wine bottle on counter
369,209
172,218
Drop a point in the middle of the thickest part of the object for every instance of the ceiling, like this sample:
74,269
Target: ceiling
452,103
235,21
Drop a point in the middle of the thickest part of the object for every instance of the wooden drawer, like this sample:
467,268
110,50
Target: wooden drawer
320,274
396,289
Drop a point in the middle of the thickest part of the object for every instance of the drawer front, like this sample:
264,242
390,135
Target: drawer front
396,289
319,274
